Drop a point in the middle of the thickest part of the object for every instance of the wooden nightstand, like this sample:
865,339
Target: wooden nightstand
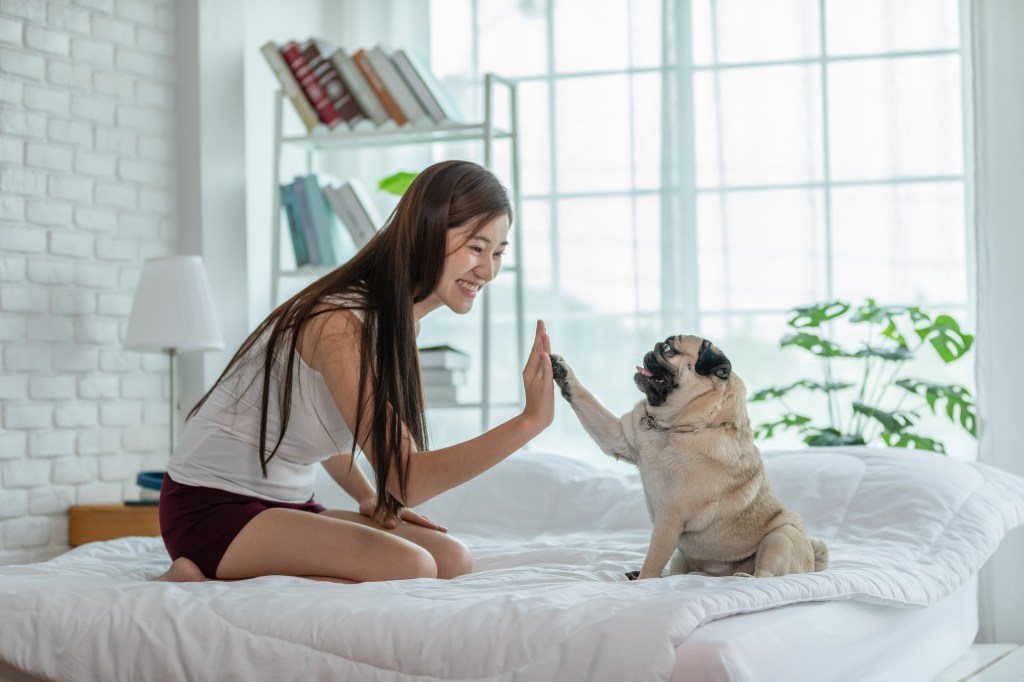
92,522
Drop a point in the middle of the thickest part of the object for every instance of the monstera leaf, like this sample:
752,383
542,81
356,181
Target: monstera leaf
893,422
816,315
815,344
781,391
897,353
831,438
910,440
959,406
789,421
946,338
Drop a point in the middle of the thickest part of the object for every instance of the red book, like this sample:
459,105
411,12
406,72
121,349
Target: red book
310,85
318,56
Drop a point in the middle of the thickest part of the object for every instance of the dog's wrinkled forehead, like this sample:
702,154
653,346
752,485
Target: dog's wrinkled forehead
707,357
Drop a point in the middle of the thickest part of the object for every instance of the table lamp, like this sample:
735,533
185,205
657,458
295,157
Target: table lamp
172,312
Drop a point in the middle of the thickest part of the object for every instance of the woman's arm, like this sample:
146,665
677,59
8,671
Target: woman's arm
335,354
350,477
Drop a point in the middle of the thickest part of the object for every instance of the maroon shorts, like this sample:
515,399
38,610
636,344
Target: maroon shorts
200,523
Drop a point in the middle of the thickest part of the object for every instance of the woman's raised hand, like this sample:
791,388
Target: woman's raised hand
538,382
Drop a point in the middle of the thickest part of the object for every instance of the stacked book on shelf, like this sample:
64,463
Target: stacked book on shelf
443,371
313,213
369,89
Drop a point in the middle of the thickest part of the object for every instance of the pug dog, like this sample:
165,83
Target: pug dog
713,509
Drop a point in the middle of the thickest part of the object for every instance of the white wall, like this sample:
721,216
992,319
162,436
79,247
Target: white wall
999,161
87,140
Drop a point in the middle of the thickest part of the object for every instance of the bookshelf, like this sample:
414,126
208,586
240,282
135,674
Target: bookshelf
486,132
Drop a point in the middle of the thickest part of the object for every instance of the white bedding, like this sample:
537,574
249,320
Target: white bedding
548,601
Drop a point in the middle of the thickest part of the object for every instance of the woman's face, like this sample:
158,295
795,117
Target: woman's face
471,263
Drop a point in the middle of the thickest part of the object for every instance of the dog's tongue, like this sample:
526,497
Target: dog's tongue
644,371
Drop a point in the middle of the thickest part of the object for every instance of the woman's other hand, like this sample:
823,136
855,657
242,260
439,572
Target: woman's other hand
538,381
369,505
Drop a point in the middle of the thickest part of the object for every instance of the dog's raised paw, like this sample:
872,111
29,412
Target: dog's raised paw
560,371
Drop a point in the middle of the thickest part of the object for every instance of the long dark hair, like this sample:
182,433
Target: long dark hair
400,266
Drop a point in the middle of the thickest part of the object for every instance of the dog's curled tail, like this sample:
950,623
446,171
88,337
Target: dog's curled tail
820,554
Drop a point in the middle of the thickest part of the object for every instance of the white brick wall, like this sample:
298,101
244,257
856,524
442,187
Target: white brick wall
86,194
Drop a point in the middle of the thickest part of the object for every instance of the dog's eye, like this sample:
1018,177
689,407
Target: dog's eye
666,349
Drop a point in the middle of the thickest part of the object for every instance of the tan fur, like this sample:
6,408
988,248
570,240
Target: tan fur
710,501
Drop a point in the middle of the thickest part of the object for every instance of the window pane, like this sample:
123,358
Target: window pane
511,38
895,118
592,134
648,143
598,255
754,30
874,26
758,126
534,137
900,243
646,23
762,249
592,35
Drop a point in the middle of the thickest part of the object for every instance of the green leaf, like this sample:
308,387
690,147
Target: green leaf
894,422
946,338
898,353
910,440
816,315
815,344
959,404
830,438
397,183
788,421
774,392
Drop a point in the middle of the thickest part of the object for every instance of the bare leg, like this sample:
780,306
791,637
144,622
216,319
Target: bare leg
451,556
289,542
182,570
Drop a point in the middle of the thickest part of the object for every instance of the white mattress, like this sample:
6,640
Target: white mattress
833,640
551,538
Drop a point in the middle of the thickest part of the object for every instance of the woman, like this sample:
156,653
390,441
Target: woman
337,365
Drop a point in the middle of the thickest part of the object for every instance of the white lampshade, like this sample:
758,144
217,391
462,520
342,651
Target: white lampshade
173,308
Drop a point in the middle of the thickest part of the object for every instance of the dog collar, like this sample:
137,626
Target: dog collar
649,423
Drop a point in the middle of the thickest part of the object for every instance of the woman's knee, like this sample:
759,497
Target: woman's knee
414,562
452,558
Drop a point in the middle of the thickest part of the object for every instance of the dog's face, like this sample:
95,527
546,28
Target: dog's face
680,369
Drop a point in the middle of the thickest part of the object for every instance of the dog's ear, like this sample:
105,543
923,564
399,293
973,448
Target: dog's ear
712,361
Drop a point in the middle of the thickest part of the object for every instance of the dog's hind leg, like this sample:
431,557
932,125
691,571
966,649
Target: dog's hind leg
783,551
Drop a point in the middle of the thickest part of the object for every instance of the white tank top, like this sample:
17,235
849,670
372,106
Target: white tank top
219,447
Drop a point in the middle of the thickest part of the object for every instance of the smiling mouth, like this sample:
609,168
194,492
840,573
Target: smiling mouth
469,288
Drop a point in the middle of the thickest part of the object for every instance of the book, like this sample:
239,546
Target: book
440,376
426,87
289,86
356,211
299,64
360,89
441,395
306,220
433,357
385,69
321,219
291,211
330,80
363,63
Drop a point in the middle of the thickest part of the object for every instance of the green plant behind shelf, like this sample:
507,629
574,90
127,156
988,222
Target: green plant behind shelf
894,335
397,184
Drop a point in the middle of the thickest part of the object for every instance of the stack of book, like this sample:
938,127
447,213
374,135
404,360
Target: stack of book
313,212
443,371
372,88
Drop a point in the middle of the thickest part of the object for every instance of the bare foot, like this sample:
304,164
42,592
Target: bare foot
182,570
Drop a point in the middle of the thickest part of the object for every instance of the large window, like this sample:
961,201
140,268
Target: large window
704,166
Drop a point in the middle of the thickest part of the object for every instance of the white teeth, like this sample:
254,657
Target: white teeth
471,287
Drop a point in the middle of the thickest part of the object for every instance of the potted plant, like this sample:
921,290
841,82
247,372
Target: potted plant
863,412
